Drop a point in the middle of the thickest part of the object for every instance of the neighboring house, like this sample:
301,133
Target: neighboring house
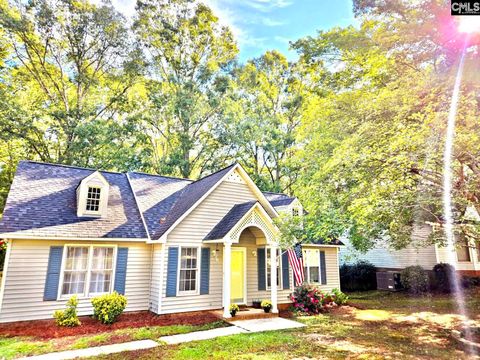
170,245
466,257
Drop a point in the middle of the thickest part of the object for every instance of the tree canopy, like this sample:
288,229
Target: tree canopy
354,126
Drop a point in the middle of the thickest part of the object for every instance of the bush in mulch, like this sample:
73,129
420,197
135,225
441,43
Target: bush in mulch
47,329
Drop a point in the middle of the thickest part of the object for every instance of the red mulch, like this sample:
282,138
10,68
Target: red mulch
47,329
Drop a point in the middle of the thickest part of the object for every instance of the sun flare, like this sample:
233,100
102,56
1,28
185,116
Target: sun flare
469,24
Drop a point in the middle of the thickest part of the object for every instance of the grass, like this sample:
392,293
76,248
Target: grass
13,347
388,326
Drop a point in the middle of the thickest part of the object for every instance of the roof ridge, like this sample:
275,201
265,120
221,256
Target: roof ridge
71,166
277,193
216,172
157,175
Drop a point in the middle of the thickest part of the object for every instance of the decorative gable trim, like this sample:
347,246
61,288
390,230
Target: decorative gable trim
260,196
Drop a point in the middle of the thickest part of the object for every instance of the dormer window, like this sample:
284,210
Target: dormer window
92,196
93,199
295,212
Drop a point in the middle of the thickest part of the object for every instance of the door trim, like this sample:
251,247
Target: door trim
244,251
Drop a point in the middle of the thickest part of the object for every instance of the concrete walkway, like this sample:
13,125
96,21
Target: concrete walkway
238,327
95,351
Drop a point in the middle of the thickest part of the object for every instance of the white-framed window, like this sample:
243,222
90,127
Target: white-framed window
295,212
462,249
311,265
279,268
87,270
93,199
189,266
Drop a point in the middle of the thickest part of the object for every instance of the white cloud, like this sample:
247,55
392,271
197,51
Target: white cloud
267,5
272,22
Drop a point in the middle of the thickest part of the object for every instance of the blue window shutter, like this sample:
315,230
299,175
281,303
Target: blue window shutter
121,270
205,271
53,273
285,271
323,269
261,269
172,268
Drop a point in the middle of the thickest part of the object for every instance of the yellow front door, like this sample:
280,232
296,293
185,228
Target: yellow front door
237,277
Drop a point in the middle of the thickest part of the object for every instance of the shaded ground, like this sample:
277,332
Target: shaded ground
389,326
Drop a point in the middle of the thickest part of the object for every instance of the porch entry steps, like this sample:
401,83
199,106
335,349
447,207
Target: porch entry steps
246,312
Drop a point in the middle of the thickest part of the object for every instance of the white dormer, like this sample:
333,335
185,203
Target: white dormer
92,196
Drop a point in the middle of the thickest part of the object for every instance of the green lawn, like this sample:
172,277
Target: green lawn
388,326
12,347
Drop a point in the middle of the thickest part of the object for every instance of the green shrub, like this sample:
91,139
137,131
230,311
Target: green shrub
414,279
358,277
68,317
107,308
339,297
444,277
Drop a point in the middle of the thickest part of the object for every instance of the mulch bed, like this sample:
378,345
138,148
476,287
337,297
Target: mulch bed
47,329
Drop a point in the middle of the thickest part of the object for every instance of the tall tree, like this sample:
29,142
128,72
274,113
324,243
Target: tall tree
263,115
372,164
70,73
189,53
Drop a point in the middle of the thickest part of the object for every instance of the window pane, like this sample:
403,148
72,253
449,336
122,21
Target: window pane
93,199
314,275
462,249
312,258
102,258
77,258
188,269
74,283
100,281
268,262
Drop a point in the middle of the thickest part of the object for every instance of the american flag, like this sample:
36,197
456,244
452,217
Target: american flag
295,258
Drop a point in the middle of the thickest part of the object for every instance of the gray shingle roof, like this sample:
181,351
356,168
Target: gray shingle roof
42,202
188,197
278,199
229,220
323,242
156,196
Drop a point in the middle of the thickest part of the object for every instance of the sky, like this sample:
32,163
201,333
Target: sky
261,25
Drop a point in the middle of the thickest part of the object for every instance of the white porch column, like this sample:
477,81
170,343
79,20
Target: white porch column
227,258
273,277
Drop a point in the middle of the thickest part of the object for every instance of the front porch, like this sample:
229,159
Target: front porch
252,262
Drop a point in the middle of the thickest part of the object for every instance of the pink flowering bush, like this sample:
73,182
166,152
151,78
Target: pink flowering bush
307,300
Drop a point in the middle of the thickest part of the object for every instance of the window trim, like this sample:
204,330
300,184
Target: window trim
307,273
279,269
199,268
86,292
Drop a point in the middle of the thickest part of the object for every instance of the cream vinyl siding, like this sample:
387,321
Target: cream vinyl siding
27,270
383,257
191,231
156,278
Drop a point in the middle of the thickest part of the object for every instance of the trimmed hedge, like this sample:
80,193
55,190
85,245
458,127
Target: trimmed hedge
358,277
415,280
444,276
